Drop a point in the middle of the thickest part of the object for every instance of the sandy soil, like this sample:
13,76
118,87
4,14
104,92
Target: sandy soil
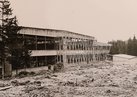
103,79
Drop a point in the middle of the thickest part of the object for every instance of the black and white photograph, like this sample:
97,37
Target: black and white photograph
68,48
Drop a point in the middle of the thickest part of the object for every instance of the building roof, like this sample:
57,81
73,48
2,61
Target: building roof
101,44
124,56
65,31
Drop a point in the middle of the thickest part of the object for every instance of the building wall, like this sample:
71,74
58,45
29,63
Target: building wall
51,47
66,47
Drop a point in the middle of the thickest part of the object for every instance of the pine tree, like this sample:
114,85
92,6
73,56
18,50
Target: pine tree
8,29
13,46
134,46
124,47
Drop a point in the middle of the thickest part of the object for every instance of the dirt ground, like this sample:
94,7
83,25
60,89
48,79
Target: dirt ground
103,79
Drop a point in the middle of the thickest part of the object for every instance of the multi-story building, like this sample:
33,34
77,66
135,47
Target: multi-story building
51,46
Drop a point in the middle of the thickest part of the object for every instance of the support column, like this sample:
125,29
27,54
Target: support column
59,50
81,59
64,50
73,59
36,49
45,56
93,53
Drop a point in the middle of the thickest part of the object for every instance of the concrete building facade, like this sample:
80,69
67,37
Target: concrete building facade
50,46
58,46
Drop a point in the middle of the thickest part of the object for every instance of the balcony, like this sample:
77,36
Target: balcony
43,52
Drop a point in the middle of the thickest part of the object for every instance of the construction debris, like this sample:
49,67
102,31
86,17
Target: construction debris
5,88
103,79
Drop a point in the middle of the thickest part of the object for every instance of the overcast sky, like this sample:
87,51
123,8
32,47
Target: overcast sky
104,19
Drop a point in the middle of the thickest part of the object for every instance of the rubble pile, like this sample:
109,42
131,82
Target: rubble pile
103,79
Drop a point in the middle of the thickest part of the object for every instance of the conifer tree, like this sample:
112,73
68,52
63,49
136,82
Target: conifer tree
8,32
124,47
10,44
13,46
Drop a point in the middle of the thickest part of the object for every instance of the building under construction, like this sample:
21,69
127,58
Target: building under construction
58,46
51,46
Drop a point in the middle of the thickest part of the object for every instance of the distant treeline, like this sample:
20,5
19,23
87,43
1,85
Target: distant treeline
124,47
